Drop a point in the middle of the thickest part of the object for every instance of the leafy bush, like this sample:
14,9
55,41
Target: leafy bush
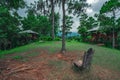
108,43
57,39
76,38
89,37
83,39
46,38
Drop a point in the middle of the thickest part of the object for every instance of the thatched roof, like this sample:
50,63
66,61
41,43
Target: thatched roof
94,29
28,31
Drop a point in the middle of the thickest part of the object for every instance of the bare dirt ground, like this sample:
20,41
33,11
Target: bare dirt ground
55,66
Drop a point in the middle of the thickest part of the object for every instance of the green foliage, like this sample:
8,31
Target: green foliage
10,4
110,23
108,43
44,24
39,24
110,6
46,38
82,30
118,25
5,16
74,38
89,37
68,23
106,24
73,6
9,22
57,39
56,22
8,28
77,6
86,23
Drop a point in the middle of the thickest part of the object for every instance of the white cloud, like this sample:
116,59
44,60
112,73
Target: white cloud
92,1
30,1
75,25
95,7
89,10
22,13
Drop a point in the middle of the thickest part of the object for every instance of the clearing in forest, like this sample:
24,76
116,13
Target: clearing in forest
43,61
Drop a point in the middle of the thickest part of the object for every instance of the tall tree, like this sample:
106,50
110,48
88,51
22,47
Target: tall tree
47,7
8,14
52,5
63,28
68,24
111,6
118,30
41,7
106,23
53,22
56,22
82,29
74,6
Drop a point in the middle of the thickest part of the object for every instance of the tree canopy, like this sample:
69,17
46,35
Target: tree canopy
110,6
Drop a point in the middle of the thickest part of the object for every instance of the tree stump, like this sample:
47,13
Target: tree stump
86,62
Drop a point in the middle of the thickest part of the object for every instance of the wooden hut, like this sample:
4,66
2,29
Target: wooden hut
99,37
33,34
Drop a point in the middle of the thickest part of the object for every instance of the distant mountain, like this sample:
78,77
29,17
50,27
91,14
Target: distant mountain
71,34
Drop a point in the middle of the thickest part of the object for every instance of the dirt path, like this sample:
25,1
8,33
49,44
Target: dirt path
45,66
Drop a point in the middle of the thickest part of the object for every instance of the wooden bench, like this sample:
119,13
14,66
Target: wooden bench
86,62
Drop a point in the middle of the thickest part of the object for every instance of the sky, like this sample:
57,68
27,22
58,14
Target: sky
95,7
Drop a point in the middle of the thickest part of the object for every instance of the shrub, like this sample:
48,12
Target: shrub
76,38
89,38
108,43
57,39
46,38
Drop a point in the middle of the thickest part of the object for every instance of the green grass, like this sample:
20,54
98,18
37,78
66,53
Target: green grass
58,64
32,54
24,57
18,57
105,57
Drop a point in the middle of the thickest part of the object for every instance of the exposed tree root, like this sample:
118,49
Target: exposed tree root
16,70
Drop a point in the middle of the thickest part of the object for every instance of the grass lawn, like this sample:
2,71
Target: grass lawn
106,61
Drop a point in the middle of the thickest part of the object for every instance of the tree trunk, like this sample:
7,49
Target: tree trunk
113,32
52,11
63,28
113,42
